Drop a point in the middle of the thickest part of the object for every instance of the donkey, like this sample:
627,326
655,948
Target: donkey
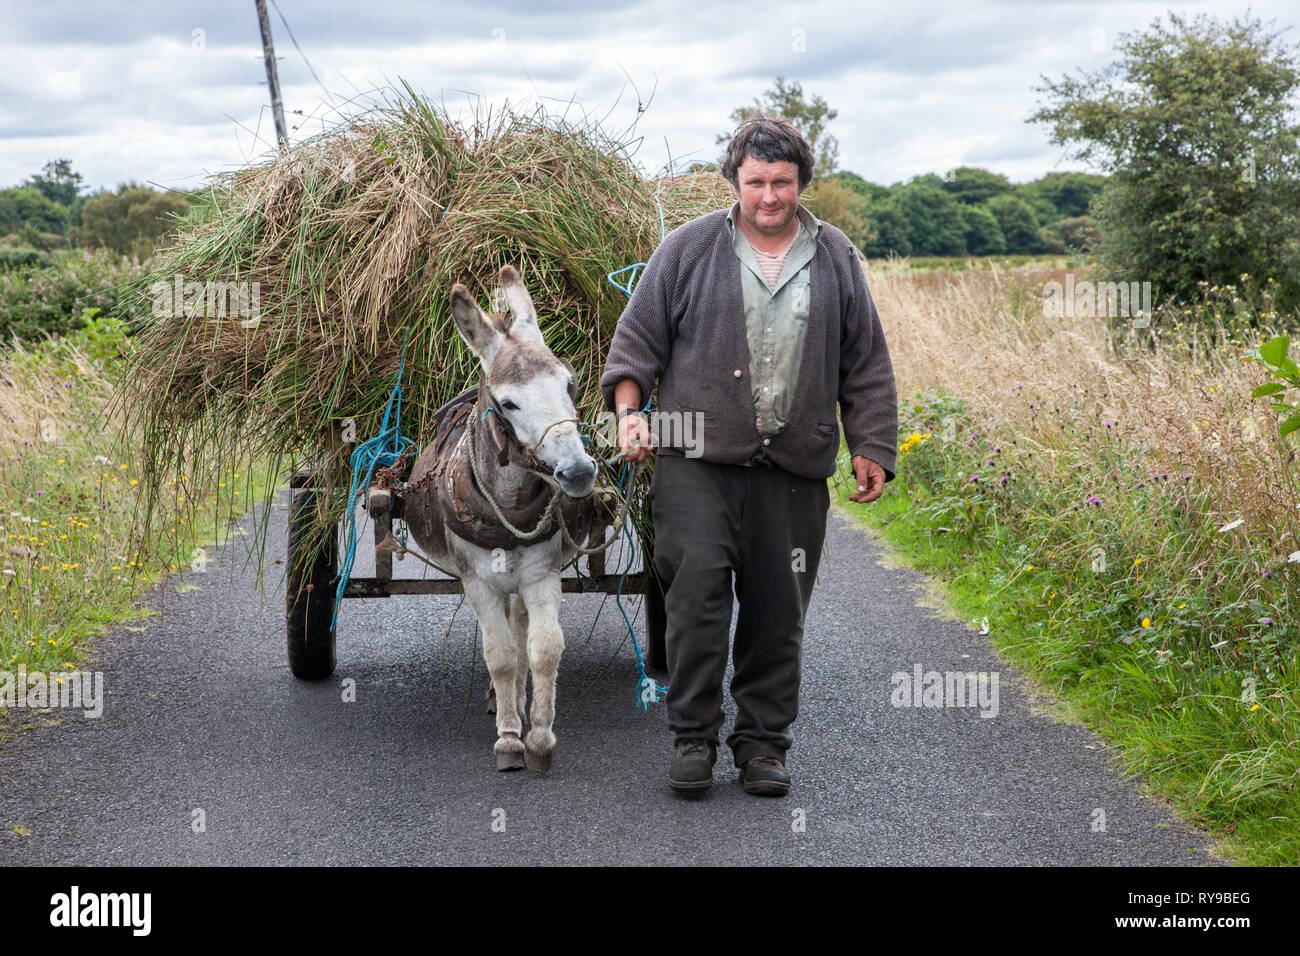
509,454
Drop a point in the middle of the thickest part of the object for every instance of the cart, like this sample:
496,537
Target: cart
312,580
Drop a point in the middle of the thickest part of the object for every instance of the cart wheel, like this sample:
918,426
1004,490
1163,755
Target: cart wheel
309,595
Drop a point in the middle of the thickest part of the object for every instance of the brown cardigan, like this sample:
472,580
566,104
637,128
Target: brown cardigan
685,327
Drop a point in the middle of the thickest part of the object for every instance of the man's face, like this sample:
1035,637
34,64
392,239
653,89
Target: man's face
769,194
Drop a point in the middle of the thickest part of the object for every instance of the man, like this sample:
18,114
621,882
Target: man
754,321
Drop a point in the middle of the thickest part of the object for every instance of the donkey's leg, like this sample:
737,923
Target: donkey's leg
545,644
491,609
519,622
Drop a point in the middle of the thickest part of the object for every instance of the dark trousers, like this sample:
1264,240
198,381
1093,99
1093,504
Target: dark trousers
766,526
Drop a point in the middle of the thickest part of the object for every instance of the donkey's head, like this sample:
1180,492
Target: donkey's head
532,388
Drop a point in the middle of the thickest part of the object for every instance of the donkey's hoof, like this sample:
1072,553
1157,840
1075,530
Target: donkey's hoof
538,763
510,760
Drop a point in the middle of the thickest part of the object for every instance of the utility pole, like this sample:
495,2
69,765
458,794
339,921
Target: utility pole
272,80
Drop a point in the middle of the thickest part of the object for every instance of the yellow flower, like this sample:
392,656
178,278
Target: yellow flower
1146,622
1137,560
1254,707
1181,606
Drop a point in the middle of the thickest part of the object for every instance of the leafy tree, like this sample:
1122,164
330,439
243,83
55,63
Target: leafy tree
57,182
1079,233
1018,223
1195,123
1034,198
834,202
1070,194
934,220
786,100
889,231
28,206
982,231
860,186
132,220
972,186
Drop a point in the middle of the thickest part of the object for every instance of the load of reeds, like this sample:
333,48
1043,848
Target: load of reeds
281,309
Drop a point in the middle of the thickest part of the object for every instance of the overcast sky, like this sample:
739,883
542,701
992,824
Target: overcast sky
169,91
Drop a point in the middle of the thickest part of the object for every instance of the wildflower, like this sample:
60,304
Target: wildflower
1137,561
1146,622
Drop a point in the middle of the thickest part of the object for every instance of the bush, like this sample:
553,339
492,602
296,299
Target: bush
17,257
39,299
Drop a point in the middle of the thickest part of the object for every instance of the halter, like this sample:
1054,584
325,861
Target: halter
531,461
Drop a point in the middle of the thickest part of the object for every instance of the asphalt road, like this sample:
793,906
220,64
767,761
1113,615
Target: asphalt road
202,714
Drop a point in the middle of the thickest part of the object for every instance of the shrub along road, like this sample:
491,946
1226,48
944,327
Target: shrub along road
202,714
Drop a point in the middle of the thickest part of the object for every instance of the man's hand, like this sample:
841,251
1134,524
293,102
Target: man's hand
871,480
634,433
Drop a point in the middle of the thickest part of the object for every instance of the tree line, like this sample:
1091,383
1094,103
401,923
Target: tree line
49,212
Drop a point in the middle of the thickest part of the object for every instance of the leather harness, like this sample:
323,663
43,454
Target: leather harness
455,499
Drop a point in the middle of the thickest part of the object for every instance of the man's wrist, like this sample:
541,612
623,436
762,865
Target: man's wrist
629,411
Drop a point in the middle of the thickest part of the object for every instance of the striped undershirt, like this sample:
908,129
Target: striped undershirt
771,264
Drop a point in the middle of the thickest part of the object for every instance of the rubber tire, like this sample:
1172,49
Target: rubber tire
309,595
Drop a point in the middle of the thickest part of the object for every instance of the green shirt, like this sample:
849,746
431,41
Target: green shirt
776,320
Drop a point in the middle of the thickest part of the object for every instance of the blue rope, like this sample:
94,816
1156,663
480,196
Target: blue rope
382,451
636,266
647,691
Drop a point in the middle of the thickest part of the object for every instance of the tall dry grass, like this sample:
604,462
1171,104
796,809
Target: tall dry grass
1179,397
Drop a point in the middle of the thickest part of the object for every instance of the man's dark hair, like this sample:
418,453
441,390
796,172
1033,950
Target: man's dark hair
771,140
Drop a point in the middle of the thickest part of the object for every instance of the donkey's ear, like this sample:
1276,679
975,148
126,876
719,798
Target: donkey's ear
573,380
523,313
476,327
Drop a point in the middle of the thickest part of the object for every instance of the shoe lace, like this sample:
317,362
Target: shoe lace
774,762
694,746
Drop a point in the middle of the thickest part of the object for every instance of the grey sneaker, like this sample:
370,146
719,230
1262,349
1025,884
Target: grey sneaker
765,777
692,768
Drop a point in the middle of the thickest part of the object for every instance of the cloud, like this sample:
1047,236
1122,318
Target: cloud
134,92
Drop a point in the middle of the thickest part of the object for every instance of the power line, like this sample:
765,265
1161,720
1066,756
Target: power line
294,41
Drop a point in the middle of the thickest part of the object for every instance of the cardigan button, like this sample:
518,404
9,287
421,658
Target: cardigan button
767,441
736,373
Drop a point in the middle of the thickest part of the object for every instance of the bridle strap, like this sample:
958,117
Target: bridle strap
531,461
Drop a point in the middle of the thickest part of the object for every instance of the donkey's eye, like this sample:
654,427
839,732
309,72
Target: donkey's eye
510,406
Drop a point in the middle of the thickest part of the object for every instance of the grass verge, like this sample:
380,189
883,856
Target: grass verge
1170,638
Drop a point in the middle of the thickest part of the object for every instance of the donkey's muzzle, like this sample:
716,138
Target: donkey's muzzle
577,478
